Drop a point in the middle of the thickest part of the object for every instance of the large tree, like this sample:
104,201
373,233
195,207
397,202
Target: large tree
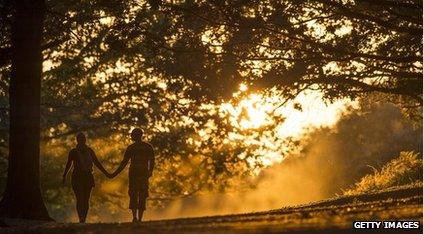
342,48
22,197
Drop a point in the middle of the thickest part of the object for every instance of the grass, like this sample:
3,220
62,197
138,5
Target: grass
403,170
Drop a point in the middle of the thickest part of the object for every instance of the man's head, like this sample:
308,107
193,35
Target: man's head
136,134
81,138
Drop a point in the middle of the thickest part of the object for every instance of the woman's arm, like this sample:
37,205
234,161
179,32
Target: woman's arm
67,167
98,164
151,161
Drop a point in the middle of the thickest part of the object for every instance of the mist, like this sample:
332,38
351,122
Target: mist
327,161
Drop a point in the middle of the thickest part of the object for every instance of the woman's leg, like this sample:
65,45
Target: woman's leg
77,187
79,203
82,195
84,204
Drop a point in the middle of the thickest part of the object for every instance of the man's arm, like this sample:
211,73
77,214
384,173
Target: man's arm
151,161
98,164
123,164
67,167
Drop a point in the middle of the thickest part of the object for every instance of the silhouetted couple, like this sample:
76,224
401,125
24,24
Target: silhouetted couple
83,157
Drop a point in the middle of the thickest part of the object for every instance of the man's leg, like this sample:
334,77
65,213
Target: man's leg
133,203
134,214
142,197
140,215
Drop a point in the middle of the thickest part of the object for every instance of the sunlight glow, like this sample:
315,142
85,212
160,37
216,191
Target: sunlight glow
256,114
243,87
314,113
252,112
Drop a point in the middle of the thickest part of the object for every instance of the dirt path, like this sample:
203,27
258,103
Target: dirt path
328,216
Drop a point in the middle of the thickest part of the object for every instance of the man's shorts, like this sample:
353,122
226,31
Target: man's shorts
138,190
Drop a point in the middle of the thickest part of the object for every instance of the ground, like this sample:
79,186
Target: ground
328,216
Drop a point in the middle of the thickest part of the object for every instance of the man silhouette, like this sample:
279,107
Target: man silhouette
141,168
83,158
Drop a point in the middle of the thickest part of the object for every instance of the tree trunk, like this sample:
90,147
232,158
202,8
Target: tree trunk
22,197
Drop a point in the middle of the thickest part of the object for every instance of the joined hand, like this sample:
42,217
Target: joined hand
110,175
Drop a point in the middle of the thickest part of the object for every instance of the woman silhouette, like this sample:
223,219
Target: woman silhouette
83,158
